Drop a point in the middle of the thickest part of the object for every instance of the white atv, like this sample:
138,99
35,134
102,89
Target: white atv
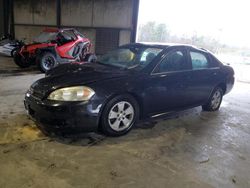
9,47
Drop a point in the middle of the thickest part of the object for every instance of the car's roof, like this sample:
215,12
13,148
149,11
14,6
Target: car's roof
165,45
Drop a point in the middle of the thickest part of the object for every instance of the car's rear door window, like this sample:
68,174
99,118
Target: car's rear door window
174,61
199,60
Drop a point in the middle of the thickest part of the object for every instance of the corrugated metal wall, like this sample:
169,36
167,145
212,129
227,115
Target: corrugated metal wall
94,18
104,37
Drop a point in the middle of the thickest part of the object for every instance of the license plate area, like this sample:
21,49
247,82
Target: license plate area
29,110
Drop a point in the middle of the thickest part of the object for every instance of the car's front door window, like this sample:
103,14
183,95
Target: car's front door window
174,61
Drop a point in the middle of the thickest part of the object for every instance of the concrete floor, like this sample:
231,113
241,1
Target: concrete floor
188,149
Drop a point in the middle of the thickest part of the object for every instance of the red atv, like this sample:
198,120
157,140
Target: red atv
53,47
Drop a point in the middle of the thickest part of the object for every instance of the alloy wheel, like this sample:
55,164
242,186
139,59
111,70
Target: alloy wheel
121,116
216,99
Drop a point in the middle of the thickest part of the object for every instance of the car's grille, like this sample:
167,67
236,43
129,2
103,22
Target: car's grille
36,94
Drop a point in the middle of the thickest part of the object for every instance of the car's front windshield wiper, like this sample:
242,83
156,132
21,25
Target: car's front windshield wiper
111,65
134,66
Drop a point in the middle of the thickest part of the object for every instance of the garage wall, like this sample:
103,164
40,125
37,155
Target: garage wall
42,12
88,16
97,13
113,13
77,13
31,17
27,32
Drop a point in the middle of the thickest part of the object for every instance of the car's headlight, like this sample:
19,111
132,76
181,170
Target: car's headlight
78,93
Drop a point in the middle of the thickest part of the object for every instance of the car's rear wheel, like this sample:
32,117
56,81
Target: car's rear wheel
119,115
46,61
214,101
20,61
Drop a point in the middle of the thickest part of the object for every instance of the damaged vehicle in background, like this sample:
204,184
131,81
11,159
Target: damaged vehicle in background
53,47
134,82
9,46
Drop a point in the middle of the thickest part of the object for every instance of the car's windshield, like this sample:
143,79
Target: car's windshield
45,37
130,57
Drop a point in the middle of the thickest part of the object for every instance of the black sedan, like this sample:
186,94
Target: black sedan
133,82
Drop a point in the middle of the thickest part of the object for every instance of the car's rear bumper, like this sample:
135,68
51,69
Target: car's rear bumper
71,116
230,84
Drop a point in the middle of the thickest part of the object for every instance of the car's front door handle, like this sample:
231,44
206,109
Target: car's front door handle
163,75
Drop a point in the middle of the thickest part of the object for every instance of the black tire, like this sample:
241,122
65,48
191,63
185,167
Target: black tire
20,61
91,58
14,52
131,119
214,101
46,61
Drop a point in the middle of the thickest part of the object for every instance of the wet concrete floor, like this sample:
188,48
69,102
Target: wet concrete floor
189,149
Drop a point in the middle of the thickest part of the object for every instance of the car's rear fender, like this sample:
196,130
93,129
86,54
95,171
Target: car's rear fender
229,78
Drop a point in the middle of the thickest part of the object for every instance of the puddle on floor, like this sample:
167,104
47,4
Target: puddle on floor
22,134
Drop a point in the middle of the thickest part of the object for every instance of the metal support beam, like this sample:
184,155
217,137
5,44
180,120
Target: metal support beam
1,18
135,15
5,17
58,13
72,26
11,15
8,18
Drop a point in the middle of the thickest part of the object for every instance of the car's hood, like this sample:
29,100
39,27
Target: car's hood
74,74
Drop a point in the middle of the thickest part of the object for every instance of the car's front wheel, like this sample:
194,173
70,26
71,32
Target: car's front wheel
214,101
119,115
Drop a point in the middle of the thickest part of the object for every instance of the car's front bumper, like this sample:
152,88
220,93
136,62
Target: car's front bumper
63,116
